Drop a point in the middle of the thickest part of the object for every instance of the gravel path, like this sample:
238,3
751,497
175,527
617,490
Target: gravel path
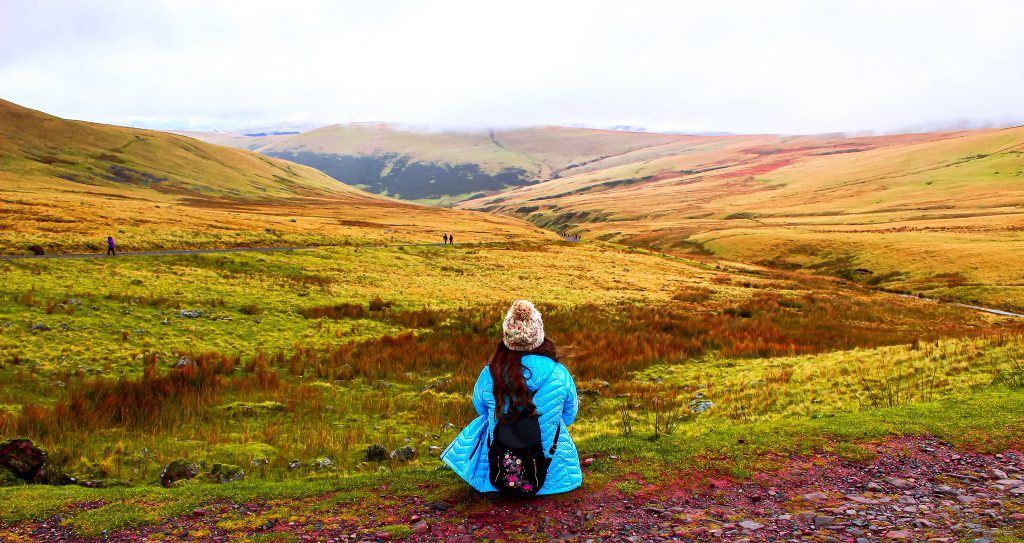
915,489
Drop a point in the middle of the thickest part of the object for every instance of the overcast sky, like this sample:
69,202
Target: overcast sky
758,66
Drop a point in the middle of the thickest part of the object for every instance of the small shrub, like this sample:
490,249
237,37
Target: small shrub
250,309
335,312
693,295
378,304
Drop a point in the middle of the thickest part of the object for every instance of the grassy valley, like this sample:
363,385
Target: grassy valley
303,392
443,167
938,214
885,211
66,185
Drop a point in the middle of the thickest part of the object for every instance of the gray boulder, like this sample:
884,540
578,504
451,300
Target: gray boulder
403,454
376,453
226,473
177,471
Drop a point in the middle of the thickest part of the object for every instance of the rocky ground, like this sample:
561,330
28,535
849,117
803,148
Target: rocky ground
914,489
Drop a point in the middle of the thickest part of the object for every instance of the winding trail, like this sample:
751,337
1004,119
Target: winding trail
1001,312
162,253
233,250
248,250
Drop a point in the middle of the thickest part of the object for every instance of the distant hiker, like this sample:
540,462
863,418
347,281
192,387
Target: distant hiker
110,246
445,236
519,444
451,240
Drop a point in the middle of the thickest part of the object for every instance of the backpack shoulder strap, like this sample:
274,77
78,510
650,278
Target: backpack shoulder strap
554,444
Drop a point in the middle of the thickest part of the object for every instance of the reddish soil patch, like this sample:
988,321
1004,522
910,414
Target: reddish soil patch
916,489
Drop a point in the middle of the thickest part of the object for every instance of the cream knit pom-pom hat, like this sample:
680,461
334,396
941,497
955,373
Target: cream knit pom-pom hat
523,328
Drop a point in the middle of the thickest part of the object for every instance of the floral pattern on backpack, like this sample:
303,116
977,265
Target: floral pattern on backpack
514,474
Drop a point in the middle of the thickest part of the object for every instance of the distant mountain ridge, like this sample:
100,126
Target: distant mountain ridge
443,167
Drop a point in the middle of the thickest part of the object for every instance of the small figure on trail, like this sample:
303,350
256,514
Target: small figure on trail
451,240
519,444
445,236
110,246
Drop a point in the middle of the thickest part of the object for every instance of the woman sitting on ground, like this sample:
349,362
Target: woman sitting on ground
525,400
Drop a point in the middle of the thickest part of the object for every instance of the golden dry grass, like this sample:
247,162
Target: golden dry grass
66,185
901,212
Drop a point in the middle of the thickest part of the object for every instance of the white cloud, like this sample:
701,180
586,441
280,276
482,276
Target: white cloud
791,66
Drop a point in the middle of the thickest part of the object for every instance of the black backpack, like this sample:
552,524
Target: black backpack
516,458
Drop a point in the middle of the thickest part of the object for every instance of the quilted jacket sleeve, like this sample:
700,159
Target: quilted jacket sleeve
482,391
572,400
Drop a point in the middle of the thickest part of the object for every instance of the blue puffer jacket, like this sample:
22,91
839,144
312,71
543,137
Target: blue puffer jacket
557,403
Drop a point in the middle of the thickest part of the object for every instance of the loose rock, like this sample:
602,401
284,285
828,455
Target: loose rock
177,471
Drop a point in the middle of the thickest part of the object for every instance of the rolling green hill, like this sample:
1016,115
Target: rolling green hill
938,213
66,185
444,167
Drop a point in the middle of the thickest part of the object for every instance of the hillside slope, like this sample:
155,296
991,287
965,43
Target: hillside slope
444,167
66,185
939,213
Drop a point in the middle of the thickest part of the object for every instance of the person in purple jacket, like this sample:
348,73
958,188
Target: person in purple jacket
110,246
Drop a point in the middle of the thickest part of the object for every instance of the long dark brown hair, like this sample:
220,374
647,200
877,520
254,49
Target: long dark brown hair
509,382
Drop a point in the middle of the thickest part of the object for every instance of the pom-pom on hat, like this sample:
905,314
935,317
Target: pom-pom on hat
523,328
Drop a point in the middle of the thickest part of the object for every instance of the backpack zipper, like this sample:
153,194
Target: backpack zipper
536,484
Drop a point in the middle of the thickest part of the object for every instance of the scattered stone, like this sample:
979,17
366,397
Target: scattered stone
191,313
403,454
750,525
36,250
323,462
39,327
22,457
822,521
183,362
815,496
420,527
226,473
899,534
177,471
376,453
901,484
700,406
